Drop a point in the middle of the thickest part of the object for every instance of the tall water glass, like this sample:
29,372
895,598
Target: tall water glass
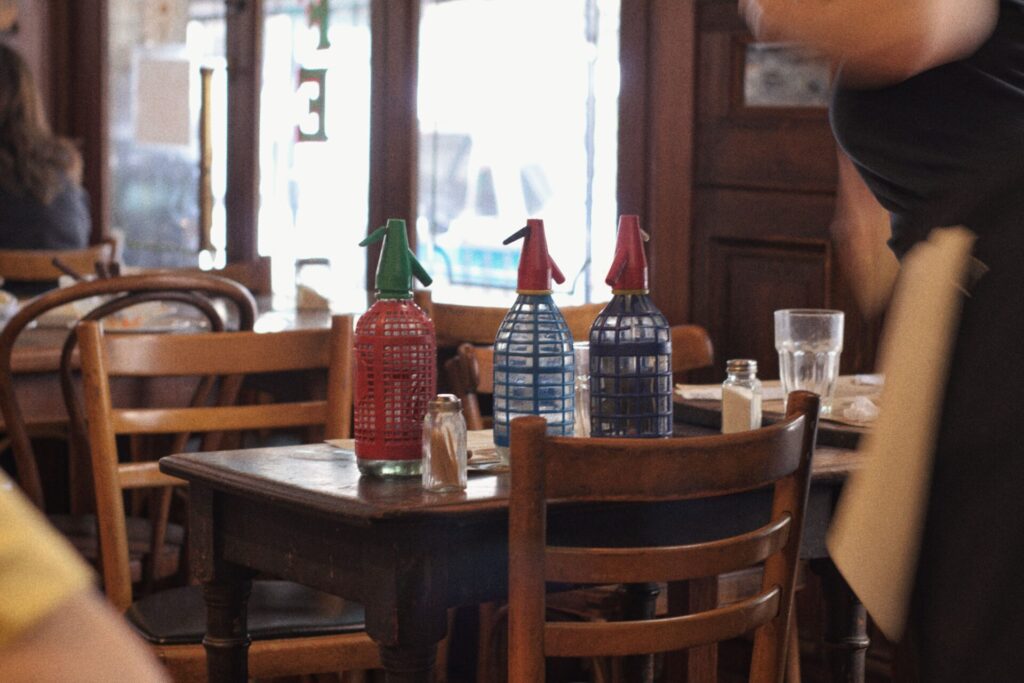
809,341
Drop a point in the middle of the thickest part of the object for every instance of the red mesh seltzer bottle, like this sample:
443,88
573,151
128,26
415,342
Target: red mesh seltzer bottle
396,363
630,349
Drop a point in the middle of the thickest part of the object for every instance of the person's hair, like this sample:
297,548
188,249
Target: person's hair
32,159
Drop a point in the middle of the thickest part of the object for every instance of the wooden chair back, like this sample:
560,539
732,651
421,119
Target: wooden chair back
28,265
172,355
572,470
458,323
691,348
114,288
470,372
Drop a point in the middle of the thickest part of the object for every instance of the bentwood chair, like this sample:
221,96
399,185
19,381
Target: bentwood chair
574,471
28,379
295,630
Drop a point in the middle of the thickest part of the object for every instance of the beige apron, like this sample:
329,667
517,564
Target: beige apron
876,532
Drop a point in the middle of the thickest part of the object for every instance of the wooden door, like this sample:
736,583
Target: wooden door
763,195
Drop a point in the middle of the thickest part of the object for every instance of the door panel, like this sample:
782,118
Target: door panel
764,184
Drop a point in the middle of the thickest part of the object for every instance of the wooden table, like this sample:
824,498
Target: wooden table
303,513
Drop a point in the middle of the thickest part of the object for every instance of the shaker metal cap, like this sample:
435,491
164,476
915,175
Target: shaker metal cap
741,365
445,403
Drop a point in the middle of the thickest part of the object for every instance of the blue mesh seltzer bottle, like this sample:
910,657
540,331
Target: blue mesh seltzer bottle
630,349
533,360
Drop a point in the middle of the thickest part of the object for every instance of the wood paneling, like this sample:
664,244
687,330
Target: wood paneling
394,129
767,147
751,278
78,80
764,180
656,107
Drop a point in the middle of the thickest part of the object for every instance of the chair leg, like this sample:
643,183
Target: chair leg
489,614
441,666
793,653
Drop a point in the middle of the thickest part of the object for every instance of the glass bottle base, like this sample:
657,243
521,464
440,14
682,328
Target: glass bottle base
388,469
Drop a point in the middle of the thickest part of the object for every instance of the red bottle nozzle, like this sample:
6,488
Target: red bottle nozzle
536,267
629,266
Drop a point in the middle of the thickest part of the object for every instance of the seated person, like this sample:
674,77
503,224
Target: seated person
42,202
54,625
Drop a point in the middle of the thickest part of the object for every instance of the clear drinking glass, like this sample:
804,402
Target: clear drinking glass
581,360
809,341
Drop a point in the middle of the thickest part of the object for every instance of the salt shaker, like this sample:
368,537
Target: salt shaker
741,397
444,445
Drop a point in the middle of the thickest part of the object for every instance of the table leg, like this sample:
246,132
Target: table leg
640,603
227,636
405,613
698,664
846,634
409,664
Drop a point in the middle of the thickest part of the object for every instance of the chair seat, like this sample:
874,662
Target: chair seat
276,609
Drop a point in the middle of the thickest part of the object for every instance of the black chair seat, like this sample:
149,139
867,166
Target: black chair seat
276,609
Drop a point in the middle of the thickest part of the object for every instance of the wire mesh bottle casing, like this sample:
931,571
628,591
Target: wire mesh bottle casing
630,370
533,369
396,376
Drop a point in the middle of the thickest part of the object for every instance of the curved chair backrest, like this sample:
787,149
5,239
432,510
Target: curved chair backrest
691,348
458,323
469,370
155,287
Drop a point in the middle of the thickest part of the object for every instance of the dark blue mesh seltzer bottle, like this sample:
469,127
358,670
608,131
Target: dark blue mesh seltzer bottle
533,359
630,349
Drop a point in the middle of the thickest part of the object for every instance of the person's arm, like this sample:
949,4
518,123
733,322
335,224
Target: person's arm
861,228
54,626
876,41
83,639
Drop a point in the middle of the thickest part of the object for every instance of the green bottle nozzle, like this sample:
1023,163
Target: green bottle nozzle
397,264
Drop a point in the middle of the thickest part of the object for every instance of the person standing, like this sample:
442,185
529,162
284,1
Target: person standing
929,107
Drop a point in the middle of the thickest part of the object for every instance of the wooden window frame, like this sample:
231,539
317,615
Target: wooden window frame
656,103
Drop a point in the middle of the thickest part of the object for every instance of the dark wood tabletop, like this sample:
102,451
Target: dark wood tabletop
305,514
707,413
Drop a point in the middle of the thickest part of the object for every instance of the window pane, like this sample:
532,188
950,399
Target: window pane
517,104
156,53
314,168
